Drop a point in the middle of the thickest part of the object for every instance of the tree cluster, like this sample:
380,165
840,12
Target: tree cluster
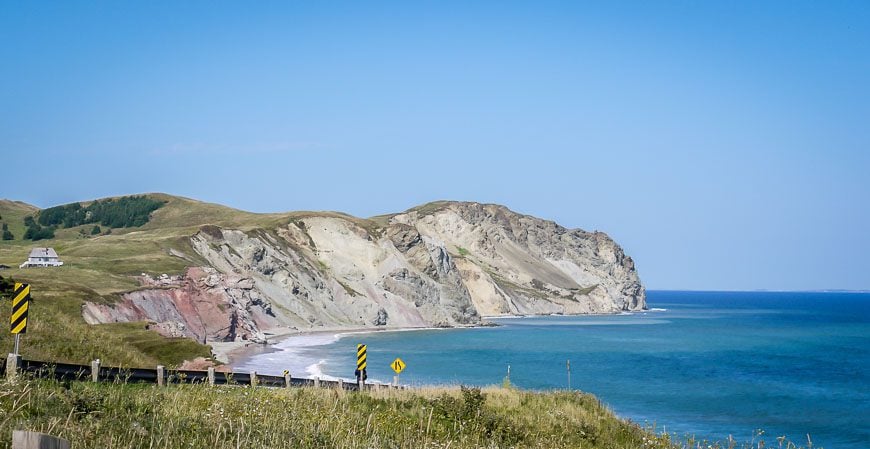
124,212
35,231
7,234
7,286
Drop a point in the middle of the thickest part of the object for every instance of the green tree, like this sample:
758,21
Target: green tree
36,232
96,230
124,212
6,286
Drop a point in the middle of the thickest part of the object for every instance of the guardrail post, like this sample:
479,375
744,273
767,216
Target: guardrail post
253,378
160,375
34,440
211,375
287,379
12,362
341,384
316,381
95,370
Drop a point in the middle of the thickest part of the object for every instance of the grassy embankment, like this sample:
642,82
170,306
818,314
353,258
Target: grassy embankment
110,416
100,268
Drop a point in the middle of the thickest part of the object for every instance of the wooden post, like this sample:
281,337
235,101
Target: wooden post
160,376
12,362
316,381
287,380
211,375
95,370
34,440
253,379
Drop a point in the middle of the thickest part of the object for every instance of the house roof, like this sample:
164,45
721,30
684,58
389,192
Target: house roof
43,252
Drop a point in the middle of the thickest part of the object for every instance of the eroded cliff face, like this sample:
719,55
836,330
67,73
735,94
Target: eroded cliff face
203,304
517,264
445,264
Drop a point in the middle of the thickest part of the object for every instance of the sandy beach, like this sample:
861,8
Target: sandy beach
296,349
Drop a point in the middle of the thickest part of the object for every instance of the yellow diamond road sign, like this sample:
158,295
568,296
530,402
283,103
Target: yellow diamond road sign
398,365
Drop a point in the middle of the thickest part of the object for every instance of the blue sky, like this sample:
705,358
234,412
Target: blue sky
725,145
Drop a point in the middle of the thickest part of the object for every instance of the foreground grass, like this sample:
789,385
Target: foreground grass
137,416
197,416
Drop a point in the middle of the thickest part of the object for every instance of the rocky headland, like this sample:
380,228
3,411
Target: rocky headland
439,265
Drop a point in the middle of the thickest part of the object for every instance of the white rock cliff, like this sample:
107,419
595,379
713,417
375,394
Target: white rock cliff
442,264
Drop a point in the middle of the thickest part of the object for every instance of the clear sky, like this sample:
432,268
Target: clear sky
725,145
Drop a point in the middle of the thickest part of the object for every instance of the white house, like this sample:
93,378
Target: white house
42,257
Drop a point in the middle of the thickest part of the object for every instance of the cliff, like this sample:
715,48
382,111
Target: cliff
441,264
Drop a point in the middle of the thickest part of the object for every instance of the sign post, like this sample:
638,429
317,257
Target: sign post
398,366
361,365
568,364
20,305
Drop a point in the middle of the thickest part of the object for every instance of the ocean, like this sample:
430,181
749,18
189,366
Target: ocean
711,364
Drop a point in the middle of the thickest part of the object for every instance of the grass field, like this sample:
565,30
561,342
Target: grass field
136,416
109,416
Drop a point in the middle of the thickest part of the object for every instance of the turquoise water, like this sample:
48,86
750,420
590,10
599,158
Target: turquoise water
710,364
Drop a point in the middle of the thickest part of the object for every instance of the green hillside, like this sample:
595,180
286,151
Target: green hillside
98,268
12,214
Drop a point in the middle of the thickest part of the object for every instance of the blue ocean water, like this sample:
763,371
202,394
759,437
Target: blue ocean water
709,364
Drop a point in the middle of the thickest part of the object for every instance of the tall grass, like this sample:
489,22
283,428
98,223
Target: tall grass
198,416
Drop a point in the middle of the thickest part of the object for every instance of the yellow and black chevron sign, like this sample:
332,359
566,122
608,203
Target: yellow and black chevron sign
20,304
360,356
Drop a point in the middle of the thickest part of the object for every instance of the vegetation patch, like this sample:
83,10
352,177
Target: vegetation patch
123,212
35,231
302,227
171,352
212,231
7,234
113,416
430,208
585,290
347,288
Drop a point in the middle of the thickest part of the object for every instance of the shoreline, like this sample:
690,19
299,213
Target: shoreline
237,353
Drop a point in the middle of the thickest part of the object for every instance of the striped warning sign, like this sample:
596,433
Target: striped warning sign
360,356
20,304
